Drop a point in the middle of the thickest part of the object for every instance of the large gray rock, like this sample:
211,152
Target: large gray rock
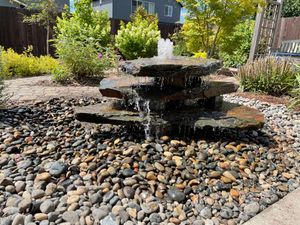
174,67
131,87
226,115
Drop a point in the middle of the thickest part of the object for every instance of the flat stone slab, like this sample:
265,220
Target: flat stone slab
227,115
175,67
131,88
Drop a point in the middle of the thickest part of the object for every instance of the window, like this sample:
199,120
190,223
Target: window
149,6
168,10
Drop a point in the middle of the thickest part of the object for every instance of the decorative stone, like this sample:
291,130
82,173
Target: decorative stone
176,195
47,206
177,66
150,207
252,209
70,216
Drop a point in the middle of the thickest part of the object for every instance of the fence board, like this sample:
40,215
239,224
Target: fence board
289,30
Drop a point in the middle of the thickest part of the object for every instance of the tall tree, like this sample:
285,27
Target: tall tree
44,14
208,21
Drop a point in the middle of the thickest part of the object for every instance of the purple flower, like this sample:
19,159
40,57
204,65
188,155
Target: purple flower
100,56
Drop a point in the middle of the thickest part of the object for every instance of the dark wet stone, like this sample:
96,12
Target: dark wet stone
225,115
177,66
128,172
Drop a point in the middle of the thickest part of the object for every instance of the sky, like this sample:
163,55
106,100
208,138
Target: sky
182,14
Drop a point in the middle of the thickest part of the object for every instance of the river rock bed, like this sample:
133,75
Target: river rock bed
54,170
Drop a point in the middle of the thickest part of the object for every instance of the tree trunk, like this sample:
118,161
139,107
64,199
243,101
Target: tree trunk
47,39
213,49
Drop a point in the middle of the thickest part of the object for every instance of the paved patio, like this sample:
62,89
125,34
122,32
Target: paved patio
36,89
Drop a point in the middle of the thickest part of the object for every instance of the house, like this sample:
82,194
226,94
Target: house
22,4
168,11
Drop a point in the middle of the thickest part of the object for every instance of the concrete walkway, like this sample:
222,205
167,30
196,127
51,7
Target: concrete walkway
35,89
284,212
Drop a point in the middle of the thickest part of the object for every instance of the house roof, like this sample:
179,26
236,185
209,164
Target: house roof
180,4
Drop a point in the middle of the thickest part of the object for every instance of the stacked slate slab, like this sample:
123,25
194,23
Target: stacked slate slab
177,93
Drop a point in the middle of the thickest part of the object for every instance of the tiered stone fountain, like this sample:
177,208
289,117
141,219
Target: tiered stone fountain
165,93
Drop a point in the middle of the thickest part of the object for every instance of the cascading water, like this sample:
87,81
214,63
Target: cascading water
165,49
167,92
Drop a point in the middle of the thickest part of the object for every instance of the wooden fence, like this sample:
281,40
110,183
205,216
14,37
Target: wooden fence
289,29
17,35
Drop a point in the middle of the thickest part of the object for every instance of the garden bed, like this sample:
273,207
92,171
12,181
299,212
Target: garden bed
55,169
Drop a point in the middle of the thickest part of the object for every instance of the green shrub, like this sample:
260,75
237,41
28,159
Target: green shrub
81,38
291,8
235,48
61,74
180,47
25,64
138,38
268,75
296,91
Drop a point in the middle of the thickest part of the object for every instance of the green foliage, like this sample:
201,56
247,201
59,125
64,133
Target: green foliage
209,22
268,75
180,47
80,38
25,64
296,91
86,59
291,8
2,97
235,48
45,13
138,38
61,74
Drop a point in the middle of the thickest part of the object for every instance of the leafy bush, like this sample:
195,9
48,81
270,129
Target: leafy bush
81,38
235,48
25,64
268,75
201,55
180,47
138,38
61,74
208,22
296,91
291,8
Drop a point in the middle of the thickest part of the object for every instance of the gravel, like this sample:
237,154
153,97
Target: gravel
55,170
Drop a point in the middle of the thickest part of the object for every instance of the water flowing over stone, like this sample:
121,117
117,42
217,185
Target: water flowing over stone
167,93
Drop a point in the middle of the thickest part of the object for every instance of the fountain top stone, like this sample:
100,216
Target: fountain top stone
171,67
